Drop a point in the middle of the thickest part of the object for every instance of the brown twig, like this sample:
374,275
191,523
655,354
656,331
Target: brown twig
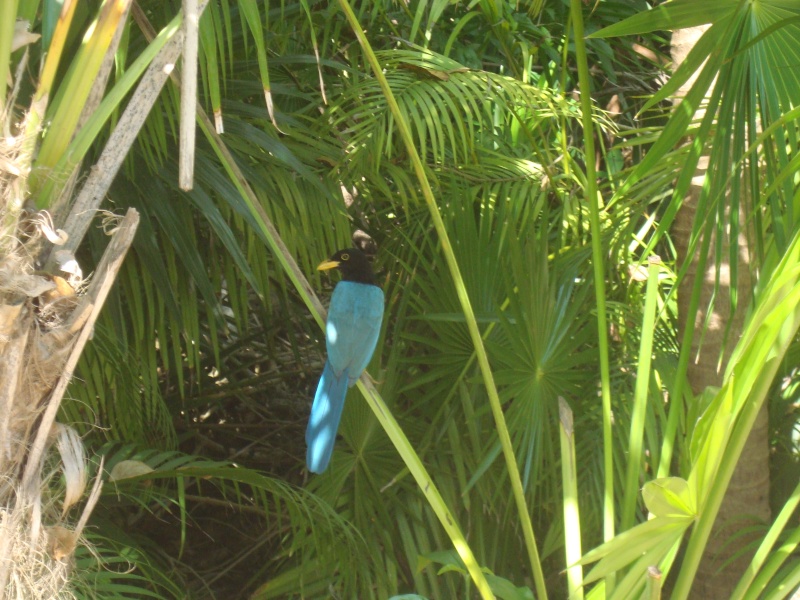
86,314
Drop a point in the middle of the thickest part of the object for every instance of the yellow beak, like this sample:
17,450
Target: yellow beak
328,264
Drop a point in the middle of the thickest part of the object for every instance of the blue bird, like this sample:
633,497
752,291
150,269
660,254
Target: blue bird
351,333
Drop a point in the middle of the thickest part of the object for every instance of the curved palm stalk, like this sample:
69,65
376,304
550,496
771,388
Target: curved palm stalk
272,237
572,520
475,333
636,438
393,430
599,268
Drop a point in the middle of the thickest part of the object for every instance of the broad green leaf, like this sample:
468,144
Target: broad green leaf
633,583
505,590
447,558
709,439
669,496
629,546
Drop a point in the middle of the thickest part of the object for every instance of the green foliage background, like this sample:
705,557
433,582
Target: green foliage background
204,361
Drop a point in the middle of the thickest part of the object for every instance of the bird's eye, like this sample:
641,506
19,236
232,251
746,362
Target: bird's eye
345,257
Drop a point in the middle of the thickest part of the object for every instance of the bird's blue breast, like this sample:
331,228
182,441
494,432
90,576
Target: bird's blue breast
353,327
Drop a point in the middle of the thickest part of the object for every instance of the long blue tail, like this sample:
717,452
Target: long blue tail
323,423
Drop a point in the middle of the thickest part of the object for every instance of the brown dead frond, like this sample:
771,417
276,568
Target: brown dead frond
45,319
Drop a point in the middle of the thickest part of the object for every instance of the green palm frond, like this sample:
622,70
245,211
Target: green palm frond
202,294
171,485
110,393
454,112
115,567
756,85
549,337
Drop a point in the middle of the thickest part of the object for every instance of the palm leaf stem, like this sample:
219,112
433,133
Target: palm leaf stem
472,324
599,271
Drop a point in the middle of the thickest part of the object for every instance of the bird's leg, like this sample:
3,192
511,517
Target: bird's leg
372,380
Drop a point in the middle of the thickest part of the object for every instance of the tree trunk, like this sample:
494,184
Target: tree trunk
747,498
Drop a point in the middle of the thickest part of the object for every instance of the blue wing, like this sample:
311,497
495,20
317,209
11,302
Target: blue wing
354,324
351,333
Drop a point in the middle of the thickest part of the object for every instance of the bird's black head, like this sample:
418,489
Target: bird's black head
353,264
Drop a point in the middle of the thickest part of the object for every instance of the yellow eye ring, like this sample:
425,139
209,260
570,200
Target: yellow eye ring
345,257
